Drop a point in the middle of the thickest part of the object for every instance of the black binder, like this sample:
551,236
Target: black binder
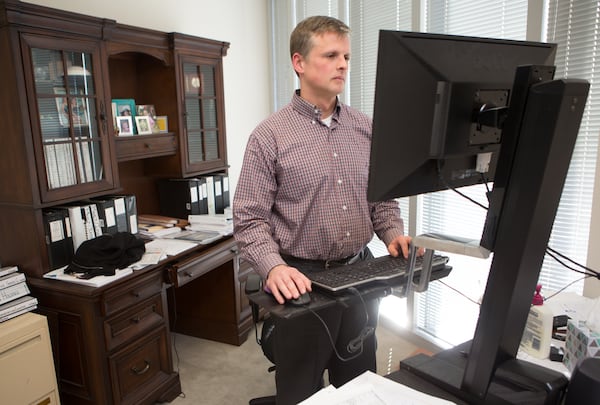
179,198
107,214
218,182
225,188
202,195
120,212
131,212
59,240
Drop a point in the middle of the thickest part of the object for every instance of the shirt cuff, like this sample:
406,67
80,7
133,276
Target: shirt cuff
267,263
390,235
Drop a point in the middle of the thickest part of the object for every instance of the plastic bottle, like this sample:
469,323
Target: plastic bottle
537,335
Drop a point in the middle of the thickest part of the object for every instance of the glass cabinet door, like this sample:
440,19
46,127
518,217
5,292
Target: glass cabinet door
71,142
204,118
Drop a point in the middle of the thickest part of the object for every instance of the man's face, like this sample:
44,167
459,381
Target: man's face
323,71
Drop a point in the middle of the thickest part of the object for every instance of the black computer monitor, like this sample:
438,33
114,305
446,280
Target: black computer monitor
439,100
452,111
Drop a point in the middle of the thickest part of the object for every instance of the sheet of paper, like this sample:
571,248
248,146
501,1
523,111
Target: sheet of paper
171,247
372,389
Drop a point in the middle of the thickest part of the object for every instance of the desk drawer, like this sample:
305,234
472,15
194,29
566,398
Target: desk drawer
134,322
185,271
139,367
145,146
137,291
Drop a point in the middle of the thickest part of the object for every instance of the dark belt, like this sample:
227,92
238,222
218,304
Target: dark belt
325,264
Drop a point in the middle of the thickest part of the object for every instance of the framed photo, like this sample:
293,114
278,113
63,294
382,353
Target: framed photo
72,106
148,111
143,124
123,107
145,109
125,125
162,123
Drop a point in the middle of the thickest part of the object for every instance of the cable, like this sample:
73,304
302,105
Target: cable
565,287
174,342
587,272
485,182
458,292
439,170
355,345
553,253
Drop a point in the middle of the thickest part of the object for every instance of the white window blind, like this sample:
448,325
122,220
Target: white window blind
492,18
448,311
284,17
574,29
574,26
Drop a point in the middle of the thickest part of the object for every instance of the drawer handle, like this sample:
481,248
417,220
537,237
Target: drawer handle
138,371
148,146
135,294
187,273
138,319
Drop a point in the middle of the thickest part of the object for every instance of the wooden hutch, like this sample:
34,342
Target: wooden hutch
112,343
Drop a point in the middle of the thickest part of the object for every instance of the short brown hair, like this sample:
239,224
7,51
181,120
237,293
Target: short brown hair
301,37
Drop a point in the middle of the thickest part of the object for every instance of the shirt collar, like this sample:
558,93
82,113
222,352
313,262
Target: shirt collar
311,111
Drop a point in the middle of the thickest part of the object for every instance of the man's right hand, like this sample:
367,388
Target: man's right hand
287,283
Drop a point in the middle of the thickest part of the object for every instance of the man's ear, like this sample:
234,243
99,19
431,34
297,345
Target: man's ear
298,63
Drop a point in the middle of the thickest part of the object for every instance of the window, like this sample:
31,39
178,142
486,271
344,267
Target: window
573,25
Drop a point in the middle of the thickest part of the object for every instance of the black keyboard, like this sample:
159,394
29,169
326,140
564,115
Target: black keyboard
384,268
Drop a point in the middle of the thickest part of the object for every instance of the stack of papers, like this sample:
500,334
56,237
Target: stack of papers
221,223
59,274
372,389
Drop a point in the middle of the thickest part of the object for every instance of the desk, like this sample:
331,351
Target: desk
410,380
112,343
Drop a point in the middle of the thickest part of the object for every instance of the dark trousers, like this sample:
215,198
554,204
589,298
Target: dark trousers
302,349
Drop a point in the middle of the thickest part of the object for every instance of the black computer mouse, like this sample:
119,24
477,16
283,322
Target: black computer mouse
303,299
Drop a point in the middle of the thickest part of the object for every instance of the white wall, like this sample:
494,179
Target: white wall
242,23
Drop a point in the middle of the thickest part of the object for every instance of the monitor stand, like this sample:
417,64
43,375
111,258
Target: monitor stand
486,371
514,382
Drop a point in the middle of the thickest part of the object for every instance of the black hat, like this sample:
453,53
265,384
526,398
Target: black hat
102,255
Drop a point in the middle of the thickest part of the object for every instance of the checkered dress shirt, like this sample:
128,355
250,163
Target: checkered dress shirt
302,188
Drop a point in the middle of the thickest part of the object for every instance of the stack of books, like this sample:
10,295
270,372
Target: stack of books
158,226
14,294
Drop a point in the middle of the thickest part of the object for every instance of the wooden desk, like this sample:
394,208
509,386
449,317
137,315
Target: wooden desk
112,343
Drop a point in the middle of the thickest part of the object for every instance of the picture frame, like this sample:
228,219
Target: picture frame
148,111
124,125
77,110
162,123
123,107
145,109
143,124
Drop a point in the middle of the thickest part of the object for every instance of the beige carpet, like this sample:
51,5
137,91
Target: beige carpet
216,373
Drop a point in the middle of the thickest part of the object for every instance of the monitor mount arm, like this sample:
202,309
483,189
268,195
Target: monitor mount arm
491,116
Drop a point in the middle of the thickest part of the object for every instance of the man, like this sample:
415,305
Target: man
301,199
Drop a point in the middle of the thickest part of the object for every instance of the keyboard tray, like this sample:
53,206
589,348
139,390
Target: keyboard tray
385,268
